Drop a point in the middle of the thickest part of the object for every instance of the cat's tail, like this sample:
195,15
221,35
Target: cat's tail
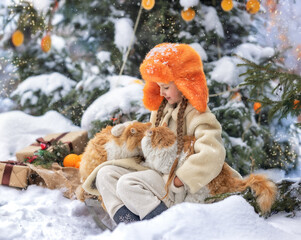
264,189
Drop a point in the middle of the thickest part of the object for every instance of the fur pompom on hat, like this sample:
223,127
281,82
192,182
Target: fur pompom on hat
179,63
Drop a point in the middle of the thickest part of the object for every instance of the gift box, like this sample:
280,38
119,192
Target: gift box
14,174
67,179
74,141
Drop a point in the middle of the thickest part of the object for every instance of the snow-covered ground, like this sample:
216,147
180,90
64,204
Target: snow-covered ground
39,213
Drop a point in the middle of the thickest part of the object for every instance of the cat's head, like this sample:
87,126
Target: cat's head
161,137
131,133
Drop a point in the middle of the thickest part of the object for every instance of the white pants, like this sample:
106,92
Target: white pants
141,192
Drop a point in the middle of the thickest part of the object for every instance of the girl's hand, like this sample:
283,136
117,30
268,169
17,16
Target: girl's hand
177,182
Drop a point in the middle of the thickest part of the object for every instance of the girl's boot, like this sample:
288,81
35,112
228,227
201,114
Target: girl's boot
123,214
158,210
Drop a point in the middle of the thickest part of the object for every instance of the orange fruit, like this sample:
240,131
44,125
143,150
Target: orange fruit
17,38
296,103
70,160
148,4
188,14
46,43
227,5
253,6
257,107
77,164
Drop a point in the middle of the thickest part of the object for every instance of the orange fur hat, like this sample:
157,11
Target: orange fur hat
180,63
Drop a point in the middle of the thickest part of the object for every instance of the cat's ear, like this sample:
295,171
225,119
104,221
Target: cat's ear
133,130
165,124
117,130
129,123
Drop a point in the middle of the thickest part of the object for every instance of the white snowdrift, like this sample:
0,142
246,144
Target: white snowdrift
18,130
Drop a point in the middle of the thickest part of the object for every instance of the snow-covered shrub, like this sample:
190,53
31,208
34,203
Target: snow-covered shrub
121,103
35,94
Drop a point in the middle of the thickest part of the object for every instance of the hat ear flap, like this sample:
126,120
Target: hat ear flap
196,93
151,97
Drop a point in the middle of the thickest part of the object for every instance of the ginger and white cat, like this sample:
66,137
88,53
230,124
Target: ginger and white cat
120,141
159,146
160,149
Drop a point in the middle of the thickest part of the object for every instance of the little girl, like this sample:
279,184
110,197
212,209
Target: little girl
176,91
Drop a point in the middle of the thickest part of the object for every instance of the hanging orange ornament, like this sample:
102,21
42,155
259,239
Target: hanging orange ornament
56,5
236,96
188,14
71,160
296,103
257,107
253,6
148,4
17,38
46,43
227,5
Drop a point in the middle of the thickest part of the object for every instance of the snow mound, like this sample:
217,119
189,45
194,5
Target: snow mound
120,99
226,70
19,129
254,52
122,81
54,84
123,33
230,219
36,214
212,21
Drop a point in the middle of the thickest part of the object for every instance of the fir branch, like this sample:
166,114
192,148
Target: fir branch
46,158
288,198
220,197
260,76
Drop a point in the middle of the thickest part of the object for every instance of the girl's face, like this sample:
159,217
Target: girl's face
170,92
